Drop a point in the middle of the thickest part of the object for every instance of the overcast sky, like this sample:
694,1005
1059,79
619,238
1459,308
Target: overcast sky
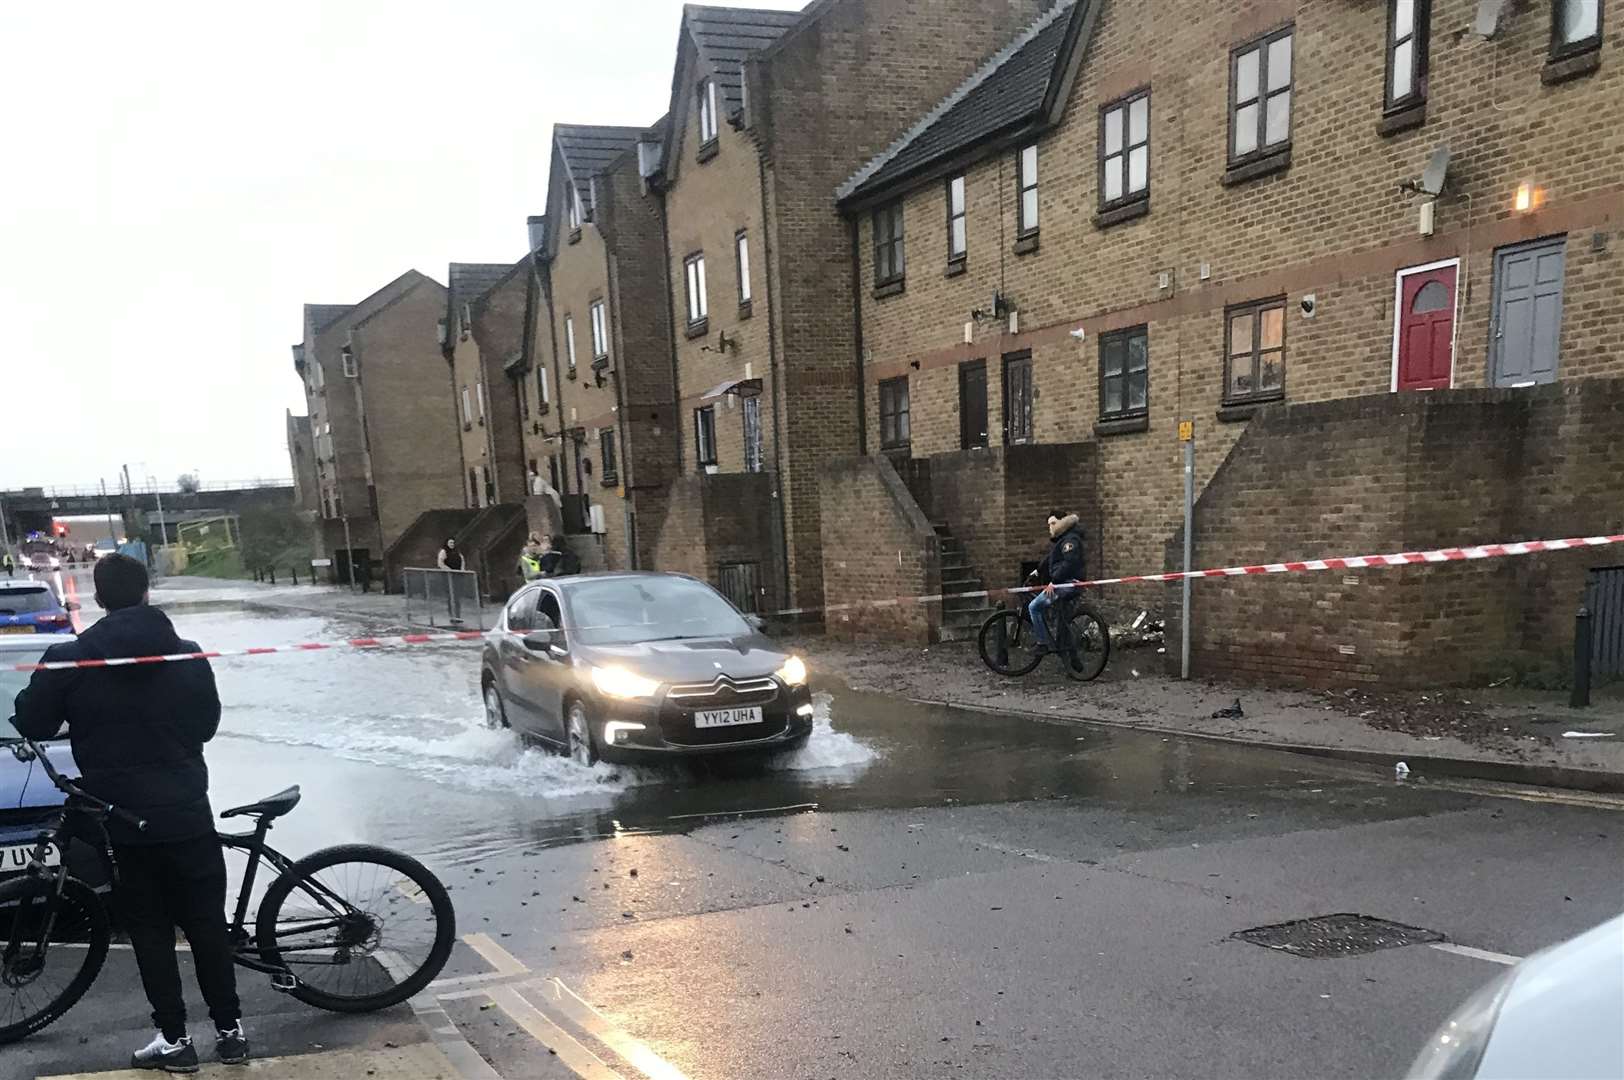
180,177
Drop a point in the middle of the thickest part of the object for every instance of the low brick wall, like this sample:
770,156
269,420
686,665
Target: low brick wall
1405,472
701,522
877,543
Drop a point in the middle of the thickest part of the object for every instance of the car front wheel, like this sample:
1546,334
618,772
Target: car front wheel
582,750
495,709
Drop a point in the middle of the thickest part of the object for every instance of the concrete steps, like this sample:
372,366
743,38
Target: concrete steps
962,616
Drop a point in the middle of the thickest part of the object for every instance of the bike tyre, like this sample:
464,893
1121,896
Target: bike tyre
434,894
1088,666
1014,627
94,914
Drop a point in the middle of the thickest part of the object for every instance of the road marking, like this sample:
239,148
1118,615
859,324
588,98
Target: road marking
745,813
463,1057
497,957
993,845
581,1061
1475,954
572,1007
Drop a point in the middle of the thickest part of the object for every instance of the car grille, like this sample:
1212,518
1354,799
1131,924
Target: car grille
677,718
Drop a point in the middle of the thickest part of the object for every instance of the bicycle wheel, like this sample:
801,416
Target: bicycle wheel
1088,645
362,927
42,976
1008,644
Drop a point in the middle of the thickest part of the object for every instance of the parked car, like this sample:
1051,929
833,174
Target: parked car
31,607
27,798
640,666
1554,1016
43,561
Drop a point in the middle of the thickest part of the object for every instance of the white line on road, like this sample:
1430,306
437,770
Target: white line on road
571,1053
497,957
1475,954
572,1007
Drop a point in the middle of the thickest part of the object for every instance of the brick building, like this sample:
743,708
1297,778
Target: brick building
480,337
302,453
1133,217
385,443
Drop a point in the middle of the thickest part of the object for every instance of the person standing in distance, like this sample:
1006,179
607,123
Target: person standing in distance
138,735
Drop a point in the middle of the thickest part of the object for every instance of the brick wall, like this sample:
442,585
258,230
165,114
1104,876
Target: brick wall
498,336
1333,224
705,521
878,545
1406,472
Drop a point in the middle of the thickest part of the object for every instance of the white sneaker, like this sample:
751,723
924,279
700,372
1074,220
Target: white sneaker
160,1053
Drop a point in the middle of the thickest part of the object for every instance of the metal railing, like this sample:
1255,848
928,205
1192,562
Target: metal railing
118,490
443,597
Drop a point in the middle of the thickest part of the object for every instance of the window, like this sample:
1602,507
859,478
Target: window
698,304
1125,151
600,332
467,410
606,451
707,111
1124,374
957,240
894,428
479,395
741,250
1260,97
543,399
1026,219
524,398
752,434
1407,22
1575,26
575,210
347,356
888,256
973,405
569,342
1255,351
466,323
321,377
1018,397
521,613
705,435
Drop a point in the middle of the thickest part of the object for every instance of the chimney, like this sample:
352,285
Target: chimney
537,226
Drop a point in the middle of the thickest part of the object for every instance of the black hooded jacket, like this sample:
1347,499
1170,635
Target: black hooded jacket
1064,562
137,731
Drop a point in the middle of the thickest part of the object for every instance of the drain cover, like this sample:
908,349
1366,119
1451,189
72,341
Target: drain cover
1326,936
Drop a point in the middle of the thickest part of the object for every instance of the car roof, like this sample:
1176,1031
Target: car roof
24,586
628,575
32,642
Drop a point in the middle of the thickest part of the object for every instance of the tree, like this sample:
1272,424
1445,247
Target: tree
273,536
188,483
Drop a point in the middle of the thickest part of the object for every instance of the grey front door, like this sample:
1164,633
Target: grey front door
1527,327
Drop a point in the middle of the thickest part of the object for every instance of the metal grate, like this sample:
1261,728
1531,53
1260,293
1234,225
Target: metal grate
1604,597
739,583
1328,936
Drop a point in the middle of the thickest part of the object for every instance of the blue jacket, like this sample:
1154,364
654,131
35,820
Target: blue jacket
1064,562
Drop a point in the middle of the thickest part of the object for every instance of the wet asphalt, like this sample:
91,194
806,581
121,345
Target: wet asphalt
920,892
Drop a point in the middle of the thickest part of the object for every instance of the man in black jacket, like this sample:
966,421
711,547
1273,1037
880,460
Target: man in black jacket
138,735
1063,563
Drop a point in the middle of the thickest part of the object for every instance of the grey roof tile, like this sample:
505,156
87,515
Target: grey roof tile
1007,90
470,281
321,316
725,36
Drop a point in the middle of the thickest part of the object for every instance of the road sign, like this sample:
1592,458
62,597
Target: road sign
1186,430
321,563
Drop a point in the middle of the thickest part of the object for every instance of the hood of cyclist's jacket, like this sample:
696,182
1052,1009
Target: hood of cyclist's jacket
1060,525
137,731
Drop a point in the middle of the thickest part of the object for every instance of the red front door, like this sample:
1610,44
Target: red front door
1426,330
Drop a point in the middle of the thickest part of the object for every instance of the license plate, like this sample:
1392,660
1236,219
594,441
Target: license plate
711,718
16,629
15,857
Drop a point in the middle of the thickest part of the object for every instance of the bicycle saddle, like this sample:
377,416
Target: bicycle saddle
273,806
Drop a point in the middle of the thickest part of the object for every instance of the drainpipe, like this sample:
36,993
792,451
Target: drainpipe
671,325
857,327
780,392
611,267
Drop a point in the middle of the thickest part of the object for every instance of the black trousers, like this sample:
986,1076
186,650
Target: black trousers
180,884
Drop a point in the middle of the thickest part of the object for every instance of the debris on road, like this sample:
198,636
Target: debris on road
1401,770
1587,734
1230,712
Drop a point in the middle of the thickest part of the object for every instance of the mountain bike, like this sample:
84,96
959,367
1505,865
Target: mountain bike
1009,642
353,928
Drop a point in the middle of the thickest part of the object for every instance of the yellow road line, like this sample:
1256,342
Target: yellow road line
497,957
581,1061
571,1006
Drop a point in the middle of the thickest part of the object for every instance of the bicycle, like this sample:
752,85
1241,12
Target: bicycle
1009,645
319,943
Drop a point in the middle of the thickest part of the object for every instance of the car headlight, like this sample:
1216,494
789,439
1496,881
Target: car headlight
617,682
1454,1052
793,673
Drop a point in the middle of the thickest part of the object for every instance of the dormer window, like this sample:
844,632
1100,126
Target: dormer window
575,211
467,321
346,356
707,112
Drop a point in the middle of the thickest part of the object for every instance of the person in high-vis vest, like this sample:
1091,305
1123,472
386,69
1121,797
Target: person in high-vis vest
530,559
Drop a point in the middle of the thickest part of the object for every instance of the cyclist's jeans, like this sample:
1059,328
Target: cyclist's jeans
1039,610
179,884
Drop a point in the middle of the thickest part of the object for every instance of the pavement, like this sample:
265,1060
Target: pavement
926,891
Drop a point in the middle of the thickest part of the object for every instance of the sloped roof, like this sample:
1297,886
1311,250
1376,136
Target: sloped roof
725,36
590,149
470,281
320,316
1009,90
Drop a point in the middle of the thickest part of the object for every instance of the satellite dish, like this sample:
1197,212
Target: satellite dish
1436,173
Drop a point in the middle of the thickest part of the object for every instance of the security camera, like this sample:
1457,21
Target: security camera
1308,303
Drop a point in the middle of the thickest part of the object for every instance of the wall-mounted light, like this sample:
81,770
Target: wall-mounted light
1523,201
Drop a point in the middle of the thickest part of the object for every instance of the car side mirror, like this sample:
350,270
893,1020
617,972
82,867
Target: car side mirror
756,622
547,641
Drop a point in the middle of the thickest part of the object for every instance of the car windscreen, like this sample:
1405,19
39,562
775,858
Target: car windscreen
13,681
26,601
624,611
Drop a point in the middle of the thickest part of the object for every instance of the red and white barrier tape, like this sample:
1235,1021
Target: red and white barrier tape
1354,562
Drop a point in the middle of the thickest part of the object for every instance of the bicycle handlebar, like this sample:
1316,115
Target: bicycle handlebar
29,750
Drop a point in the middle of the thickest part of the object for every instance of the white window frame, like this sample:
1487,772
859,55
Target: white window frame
698,301
958,214
1398,315
467,407
575,211
569,340
351,368
479,396
741,254
600,330
541,384
707,112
